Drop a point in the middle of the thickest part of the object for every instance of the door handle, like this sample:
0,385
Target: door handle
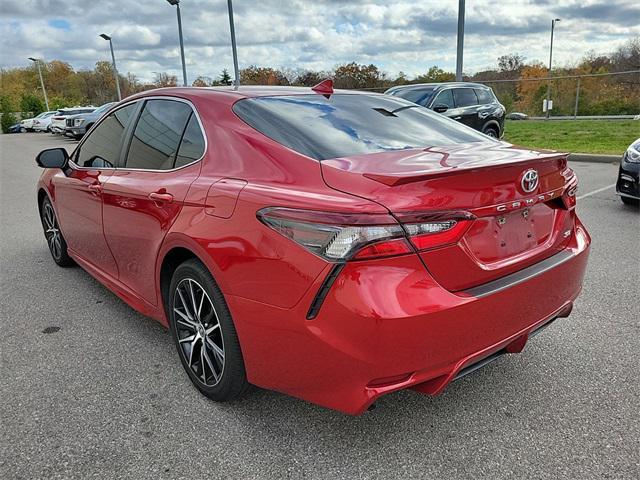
457,118
95,188
161,197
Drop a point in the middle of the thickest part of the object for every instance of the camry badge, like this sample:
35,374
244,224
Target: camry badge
529,180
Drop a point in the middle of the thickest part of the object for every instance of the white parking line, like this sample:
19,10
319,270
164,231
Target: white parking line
596,191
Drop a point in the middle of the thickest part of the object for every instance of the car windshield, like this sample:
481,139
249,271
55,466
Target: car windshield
346,124
102,108
420,95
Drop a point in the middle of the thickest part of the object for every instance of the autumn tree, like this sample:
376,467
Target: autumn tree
436,75
163,79
511,63
354,75
253,75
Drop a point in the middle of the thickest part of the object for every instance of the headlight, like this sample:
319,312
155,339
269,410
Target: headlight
633,152
78,121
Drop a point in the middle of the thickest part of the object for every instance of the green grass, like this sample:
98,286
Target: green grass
576,136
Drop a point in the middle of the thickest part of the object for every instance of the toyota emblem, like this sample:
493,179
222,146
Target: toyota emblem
529,180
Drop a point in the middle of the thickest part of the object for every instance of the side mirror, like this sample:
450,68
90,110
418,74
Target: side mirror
440,108
53,158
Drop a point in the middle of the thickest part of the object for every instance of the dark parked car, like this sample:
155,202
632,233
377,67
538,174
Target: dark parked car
628,184
15,128
473,104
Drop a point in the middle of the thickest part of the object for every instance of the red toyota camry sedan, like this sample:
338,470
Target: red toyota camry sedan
332,245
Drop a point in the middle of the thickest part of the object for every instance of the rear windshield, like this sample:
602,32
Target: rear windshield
346,125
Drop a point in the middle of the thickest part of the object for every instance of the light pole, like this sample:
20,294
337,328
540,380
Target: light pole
460,40
232,28
184,67
44,92
553,25
113,61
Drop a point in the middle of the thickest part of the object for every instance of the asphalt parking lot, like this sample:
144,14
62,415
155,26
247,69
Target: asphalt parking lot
92,389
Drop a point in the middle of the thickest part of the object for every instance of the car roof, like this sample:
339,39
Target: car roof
418,86
248,91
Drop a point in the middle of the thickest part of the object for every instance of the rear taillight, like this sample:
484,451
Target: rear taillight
569,195
341,237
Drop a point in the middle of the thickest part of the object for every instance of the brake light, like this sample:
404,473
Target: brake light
338,237
437,234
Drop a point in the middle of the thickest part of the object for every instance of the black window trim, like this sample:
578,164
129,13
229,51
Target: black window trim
128,134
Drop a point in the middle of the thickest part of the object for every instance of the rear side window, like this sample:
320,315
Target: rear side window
192,145
445,97
157,135
350,124
484,95
465,97
102,147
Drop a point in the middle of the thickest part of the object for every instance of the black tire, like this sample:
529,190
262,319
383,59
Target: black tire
23,130
220,380
633,202
491,131
77,137
53,235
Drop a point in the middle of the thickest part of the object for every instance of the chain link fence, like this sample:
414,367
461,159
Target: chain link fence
593,94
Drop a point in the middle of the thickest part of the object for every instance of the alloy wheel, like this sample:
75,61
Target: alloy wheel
199,332
51,231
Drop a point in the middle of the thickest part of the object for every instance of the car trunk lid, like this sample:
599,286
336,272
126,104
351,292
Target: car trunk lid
513,227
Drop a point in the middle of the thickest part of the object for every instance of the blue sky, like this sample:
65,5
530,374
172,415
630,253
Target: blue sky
401,35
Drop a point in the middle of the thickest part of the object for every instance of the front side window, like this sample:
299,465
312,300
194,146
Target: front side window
102,147
445,97
157,135
465,97
350,124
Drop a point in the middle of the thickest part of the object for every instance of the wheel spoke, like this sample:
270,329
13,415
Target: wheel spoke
213,370
186,318
193,347
193,300
184,304
218,353
190,338
204,372
211,329
201,302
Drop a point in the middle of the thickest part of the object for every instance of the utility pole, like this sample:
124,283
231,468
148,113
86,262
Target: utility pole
184,67
113,62
460,40
236,82
44,92
553,24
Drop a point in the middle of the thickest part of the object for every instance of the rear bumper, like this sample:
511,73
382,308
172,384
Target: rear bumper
388,325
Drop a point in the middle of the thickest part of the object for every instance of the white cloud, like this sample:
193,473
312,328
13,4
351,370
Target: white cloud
395,35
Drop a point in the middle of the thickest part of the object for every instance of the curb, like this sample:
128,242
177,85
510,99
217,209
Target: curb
594,158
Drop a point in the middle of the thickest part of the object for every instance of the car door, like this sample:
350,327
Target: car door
144,196
445,97
79,190
466,103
